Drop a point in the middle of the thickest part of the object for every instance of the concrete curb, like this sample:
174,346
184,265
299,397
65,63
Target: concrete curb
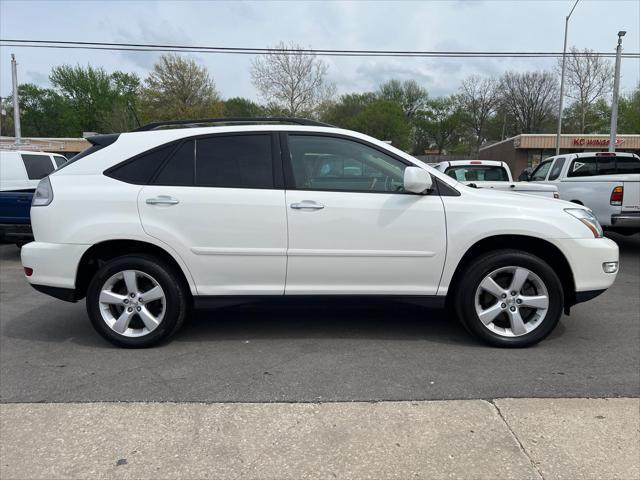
505,439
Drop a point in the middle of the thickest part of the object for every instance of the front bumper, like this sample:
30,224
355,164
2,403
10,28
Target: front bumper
585,257
54,264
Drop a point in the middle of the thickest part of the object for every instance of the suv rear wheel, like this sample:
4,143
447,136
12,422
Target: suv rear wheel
510,298
136,301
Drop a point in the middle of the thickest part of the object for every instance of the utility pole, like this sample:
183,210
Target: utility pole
616,88
16,106
564,56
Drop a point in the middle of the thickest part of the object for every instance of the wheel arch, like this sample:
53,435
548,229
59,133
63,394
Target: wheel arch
107,250
543,249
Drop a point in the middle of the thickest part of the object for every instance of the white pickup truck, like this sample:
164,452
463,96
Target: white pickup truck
606,182
492,174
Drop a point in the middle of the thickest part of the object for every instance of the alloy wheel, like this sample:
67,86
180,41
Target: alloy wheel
511,301
132,303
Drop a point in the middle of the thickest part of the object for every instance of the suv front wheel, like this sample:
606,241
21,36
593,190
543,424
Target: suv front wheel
510,298
136,301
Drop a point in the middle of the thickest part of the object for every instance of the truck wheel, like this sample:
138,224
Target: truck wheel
136,301
509,298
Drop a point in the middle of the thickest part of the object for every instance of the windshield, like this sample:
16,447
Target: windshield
478,173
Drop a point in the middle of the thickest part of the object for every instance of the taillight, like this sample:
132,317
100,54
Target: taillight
616,196
475,162
43,195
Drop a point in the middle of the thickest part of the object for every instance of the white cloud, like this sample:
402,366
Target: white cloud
398,25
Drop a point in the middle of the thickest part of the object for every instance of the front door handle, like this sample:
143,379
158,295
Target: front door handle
162,200
310,204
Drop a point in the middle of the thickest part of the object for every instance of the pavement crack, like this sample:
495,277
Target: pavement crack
515,437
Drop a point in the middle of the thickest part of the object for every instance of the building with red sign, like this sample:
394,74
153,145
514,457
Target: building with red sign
527,150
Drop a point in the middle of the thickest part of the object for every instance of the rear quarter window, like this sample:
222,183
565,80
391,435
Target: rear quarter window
140,169
60,160
37,166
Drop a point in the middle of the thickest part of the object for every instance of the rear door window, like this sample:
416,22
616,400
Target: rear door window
234,161
583,167
180,169
37,166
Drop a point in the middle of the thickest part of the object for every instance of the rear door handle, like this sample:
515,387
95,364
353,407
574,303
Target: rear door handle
310,204
162,200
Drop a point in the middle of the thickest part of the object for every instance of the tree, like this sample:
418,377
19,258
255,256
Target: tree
242,107
478,99
290,81
43,113
629,112
179,88
408,94
366,113
343,112
530,99
440,124
596,120
588,78
96,96
385,121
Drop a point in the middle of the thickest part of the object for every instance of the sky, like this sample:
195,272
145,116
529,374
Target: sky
467,25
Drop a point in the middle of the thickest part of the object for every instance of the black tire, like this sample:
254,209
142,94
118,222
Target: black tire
465,296
176,298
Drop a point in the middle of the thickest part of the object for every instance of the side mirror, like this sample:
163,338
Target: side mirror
416,180
525,176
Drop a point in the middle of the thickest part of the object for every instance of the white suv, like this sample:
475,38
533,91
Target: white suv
147,224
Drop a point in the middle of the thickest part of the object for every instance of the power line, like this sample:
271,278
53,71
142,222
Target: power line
141,47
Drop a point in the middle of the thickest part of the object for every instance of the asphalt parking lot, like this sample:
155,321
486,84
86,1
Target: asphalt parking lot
315,352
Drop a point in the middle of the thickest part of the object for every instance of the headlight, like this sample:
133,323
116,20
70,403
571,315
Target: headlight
588,218
43,194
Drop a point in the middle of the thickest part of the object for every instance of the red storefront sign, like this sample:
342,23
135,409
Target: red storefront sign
595,142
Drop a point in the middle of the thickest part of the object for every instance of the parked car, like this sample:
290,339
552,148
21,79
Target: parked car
492,174
20,172
150,223
606,182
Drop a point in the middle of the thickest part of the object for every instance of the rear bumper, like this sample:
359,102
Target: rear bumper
626,220
16,231
66,294
54,264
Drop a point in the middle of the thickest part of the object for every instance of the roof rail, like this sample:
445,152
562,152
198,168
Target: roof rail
232,120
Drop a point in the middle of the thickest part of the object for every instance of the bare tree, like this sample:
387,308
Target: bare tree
411,96
179,88
291,81
529,98
589,78
478,99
